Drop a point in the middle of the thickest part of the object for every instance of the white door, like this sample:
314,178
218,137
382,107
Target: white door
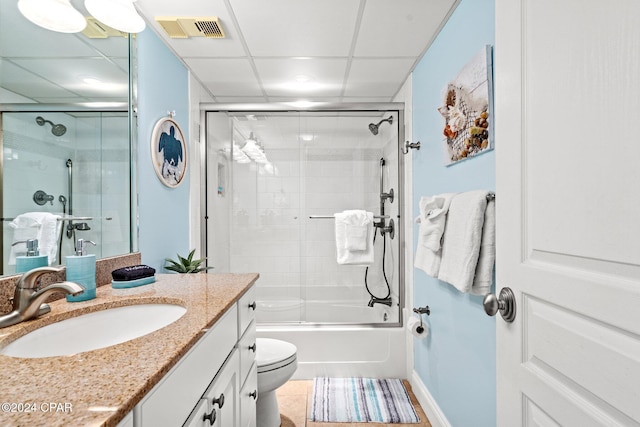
567,111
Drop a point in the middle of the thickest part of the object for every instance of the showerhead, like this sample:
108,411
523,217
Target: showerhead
57,130
374,127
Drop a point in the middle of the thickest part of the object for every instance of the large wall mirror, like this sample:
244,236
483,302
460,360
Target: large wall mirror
65,138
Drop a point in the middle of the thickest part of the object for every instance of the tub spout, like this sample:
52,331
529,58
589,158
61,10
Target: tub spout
28,299
374,300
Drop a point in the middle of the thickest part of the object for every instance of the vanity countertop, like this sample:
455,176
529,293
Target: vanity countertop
99,387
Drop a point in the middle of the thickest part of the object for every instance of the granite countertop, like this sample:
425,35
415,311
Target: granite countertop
99,387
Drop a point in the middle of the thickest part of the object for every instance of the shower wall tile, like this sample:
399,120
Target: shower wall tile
287,281
320,184
266,264
266,249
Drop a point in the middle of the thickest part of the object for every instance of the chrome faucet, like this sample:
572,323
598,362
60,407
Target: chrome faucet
385,301
28,298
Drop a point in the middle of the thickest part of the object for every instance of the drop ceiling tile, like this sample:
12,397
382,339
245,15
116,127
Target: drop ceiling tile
29,40
30,85
297,27
69,74
320,77
230,46
226,77
377,77
367,99
399,27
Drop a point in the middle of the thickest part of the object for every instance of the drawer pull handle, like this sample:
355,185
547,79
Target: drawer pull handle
253,306
211,417
219,401
254,394
253,347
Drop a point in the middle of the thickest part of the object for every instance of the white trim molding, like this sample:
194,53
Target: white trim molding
428,403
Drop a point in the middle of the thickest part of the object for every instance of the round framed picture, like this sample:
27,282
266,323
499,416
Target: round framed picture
169,152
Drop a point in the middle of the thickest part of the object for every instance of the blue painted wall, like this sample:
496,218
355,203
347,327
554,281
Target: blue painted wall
163,85
457,361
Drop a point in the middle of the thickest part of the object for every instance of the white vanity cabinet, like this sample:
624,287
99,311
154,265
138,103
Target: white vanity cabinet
220,405
206,387
247,352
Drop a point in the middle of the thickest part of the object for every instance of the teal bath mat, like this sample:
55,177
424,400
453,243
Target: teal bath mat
361,400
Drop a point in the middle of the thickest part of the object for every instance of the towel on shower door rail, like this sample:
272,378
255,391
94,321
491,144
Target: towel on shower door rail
43,226
468,246
432,220
354,237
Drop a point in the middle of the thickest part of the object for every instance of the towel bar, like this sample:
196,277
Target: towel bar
331,216
63,218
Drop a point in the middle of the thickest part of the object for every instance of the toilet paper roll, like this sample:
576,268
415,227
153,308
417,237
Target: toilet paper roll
416,329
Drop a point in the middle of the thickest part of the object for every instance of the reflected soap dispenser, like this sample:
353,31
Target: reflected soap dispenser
81,268
32,259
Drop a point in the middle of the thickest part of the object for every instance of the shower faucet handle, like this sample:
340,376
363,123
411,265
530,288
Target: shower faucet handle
41,198
389,195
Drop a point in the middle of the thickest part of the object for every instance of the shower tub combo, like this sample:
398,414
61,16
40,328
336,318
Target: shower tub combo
274,180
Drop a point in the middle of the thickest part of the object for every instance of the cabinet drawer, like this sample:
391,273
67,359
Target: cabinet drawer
248,397
247,350
170,402
246,309
223,393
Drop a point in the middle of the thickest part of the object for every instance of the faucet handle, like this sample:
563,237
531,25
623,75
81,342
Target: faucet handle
29,280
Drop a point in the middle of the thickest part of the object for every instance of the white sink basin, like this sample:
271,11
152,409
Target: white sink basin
95,330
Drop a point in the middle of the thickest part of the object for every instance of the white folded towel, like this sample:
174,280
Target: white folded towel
354,237
432,220
484,271
43,226
433,215
462,239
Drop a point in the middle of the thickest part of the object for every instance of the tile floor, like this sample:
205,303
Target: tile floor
294,399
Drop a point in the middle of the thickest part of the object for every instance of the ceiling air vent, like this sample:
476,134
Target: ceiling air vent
182,28
97,30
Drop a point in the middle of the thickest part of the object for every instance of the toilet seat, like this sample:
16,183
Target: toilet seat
273,354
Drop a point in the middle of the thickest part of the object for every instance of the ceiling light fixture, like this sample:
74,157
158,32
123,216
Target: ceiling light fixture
118,14
54,15
254,150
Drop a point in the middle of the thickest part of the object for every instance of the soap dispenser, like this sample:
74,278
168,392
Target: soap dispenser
32,259
81,268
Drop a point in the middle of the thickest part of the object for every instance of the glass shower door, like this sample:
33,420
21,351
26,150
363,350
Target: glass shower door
275,180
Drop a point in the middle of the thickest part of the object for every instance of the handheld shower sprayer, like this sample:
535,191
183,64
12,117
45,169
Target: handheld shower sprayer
374,127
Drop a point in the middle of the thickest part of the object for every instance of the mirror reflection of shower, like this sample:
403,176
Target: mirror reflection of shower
56,129
71,227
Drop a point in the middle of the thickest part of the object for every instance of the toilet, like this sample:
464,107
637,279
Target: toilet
276,361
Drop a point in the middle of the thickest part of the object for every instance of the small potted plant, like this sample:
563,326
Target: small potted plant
186,265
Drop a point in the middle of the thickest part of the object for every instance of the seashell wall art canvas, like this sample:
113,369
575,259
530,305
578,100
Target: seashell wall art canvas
467,110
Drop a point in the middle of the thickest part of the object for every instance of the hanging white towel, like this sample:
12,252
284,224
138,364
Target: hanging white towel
43,226
354,237
432,220
433,215
462,239
484,270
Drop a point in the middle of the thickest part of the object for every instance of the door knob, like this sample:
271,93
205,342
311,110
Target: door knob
505,303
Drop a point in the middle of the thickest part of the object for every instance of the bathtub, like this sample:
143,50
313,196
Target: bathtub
337,350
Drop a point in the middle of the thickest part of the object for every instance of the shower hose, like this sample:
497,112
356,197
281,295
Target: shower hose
384,273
